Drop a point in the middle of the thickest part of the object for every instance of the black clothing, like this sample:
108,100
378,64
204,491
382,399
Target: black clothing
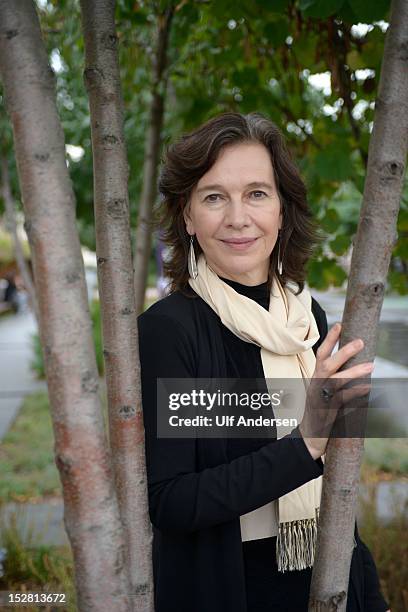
198,488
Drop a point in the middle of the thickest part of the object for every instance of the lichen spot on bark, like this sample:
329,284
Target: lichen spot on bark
109,40
72,277
110,139
93,77
403,51
116,208
142,589
41,157
126,412
89,384
126,311
64,464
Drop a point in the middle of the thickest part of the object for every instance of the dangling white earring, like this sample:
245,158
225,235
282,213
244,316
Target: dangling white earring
280,264
192,263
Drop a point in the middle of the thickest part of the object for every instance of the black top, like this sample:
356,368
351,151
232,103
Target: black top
198,488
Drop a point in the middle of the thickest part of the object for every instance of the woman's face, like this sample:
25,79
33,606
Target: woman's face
237,200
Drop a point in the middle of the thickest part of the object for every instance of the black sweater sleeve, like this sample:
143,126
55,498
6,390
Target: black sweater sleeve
181,498
321,322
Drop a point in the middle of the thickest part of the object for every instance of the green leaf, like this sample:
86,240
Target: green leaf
367,12
325,273
373,48
320,9
248,77
355,61
277,6
304,4
402,220
340,244
401,250
333,163
305,47
336,275
347,14
330,221
359,182
276,32
314,277
398,282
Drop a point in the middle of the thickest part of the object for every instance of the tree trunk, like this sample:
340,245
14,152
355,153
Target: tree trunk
152,152
91,511
115,276
376,236
11,226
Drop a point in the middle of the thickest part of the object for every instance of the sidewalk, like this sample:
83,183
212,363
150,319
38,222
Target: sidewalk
392,354
394,308
17,381
16,378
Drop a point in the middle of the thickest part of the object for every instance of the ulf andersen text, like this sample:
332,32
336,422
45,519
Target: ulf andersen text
230,421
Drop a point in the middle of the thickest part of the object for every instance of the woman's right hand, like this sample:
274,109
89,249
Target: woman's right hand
320,413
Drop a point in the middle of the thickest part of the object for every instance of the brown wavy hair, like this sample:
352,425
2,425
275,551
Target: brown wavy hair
192,155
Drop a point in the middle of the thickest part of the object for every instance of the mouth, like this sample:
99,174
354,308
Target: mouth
240,244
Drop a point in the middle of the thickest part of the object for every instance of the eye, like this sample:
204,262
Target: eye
212,197
258,195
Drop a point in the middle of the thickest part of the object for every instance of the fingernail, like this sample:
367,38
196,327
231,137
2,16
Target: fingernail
369,367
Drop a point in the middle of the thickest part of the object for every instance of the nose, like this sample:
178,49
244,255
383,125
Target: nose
236,215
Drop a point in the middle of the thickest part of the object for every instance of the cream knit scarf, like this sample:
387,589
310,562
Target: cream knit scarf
286,335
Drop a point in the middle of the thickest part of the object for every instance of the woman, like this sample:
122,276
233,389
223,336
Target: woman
235,217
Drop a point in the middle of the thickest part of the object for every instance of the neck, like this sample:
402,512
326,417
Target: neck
241,281
248,279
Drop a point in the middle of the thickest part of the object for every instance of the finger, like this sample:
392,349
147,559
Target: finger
344,399
332,364
331,394
325,349
358,371
346,395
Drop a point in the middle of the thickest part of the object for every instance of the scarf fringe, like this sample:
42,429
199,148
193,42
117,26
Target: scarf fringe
296,544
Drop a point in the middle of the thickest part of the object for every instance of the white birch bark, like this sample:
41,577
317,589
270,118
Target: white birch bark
91,511
376,236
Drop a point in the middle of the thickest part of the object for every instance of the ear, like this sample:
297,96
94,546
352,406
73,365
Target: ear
187,219
280,221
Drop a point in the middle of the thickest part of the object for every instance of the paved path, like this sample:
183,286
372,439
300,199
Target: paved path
392,331
394,308
38,524
16,378
44,521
